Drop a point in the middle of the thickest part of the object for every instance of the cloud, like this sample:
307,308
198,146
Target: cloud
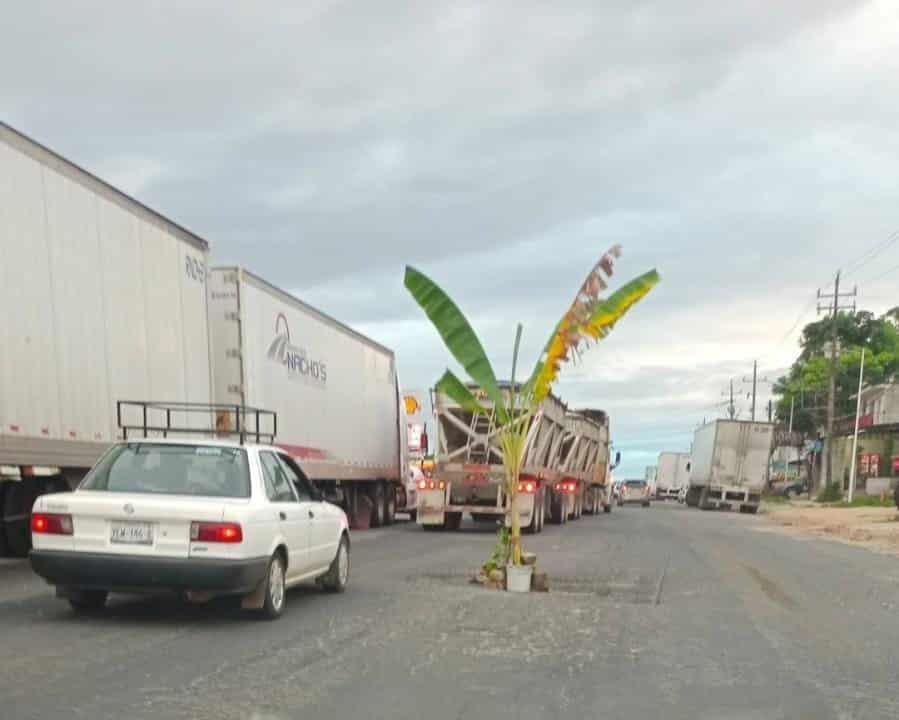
746,152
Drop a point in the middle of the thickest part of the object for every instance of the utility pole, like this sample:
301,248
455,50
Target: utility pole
770,409
731,408
858,412
834,310
792,400
755,381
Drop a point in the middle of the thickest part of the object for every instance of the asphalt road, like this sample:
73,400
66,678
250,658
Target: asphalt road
661,612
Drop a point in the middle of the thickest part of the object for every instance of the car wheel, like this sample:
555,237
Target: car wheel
87,600
338,575
275,588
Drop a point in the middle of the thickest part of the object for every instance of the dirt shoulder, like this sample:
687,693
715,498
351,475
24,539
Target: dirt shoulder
874,528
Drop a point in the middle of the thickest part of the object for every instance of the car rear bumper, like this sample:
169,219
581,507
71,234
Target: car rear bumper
128,573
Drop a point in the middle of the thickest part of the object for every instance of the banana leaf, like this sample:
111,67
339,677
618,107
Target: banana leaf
458,335
454,388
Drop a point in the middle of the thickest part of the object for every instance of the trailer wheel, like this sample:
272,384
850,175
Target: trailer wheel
413,514
452,520
18,498
692,497
557,510
4,548
607,508
378,505
390,505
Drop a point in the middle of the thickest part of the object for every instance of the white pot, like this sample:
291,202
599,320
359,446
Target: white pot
518,578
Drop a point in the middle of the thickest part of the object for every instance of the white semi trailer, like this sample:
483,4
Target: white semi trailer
673,473
105,300
335,391
729,464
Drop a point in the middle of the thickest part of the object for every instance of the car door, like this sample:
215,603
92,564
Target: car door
324,529
292,515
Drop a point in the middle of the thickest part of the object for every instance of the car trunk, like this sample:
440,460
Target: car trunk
138,523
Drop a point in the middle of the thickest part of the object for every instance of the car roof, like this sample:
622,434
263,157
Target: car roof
204,442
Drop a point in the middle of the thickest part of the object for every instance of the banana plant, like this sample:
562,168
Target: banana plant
589,318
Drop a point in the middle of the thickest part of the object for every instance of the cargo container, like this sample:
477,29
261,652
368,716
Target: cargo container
729,464
336,392
673,473
103,299
468,474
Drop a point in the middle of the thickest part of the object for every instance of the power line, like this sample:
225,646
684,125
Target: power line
872,252
882,275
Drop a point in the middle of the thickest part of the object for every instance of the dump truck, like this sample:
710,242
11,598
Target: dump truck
729,464
672,475
468,474
585,462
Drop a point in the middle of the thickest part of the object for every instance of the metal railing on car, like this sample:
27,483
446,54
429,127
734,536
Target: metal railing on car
153,418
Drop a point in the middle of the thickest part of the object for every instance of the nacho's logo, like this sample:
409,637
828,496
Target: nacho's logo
299,363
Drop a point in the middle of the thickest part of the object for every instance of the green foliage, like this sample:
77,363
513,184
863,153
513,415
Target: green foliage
868,501
501,551
807,381
458,335
831,494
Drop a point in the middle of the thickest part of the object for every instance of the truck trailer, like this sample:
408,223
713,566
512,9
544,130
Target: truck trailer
673,473
107,300
336,392
104,300
729,464
468,473
591,429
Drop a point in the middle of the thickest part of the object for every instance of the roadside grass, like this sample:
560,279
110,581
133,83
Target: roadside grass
775,499
866,501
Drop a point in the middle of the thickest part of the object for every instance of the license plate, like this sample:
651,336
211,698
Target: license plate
131,533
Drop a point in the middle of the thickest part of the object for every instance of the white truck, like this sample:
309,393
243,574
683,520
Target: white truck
673,473
468,472
729,464
106,300
103,299
335,391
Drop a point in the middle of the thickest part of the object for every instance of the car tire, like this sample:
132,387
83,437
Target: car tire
607,508
646,504
87,600
338,575
378,505
275,588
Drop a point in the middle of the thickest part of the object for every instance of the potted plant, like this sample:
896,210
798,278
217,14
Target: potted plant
589,318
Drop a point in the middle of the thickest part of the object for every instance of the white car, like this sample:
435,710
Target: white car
203,518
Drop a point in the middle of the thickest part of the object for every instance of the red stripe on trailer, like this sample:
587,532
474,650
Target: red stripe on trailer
304,453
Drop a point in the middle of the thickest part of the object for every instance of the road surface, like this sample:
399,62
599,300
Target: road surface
662,612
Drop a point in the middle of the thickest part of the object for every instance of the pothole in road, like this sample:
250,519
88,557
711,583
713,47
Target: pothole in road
631,589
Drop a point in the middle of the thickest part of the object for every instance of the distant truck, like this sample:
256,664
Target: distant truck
729,464
673,474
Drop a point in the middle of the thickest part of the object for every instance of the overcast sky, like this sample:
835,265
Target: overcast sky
746,150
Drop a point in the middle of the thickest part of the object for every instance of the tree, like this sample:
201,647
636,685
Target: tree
588,318
806,382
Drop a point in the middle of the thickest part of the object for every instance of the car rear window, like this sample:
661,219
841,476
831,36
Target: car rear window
635,483
156,468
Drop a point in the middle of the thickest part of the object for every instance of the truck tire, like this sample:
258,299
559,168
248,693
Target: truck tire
413,515
703,500
557,515
452,520
390,505
607,508
18,497
4,548
749,509
692,497
378,505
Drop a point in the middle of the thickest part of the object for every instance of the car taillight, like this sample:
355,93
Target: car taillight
51,524
216,532
528,486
